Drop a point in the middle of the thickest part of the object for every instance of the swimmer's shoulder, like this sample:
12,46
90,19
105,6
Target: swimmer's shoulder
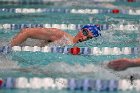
68,36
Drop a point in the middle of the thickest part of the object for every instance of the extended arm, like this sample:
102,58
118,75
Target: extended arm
122,64
135,62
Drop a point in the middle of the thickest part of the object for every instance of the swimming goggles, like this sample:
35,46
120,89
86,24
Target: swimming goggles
85,33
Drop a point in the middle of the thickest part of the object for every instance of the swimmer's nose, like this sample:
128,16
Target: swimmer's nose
82,39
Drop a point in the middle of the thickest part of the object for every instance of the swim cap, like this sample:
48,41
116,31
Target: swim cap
95,29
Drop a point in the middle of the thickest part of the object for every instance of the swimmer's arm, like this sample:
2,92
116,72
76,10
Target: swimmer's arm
35,33
135,62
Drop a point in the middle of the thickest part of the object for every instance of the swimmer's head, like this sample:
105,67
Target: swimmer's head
88,32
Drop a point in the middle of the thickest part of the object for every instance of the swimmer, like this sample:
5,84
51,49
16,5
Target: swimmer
124,63
50,36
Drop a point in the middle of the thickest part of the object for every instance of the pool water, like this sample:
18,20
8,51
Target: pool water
39,64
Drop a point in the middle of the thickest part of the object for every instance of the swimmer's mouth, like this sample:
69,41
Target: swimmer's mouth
80,40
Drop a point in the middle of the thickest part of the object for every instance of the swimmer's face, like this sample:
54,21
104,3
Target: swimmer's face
84,35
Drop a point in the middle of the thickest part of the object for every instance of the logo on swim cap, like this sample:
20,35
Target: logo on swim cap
95,29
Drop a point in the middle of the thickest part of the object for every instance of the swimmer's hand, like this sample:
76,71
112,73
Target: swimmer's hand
120,64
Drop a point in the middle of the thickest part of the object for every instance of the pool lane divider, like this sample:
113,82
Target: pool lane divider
73,11
83,50
46,2
71,50
69,84
103,27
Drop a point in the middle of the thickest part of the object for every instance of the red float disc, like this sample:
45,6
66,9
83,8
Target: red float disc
75,50
1,82
130,0
115,11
